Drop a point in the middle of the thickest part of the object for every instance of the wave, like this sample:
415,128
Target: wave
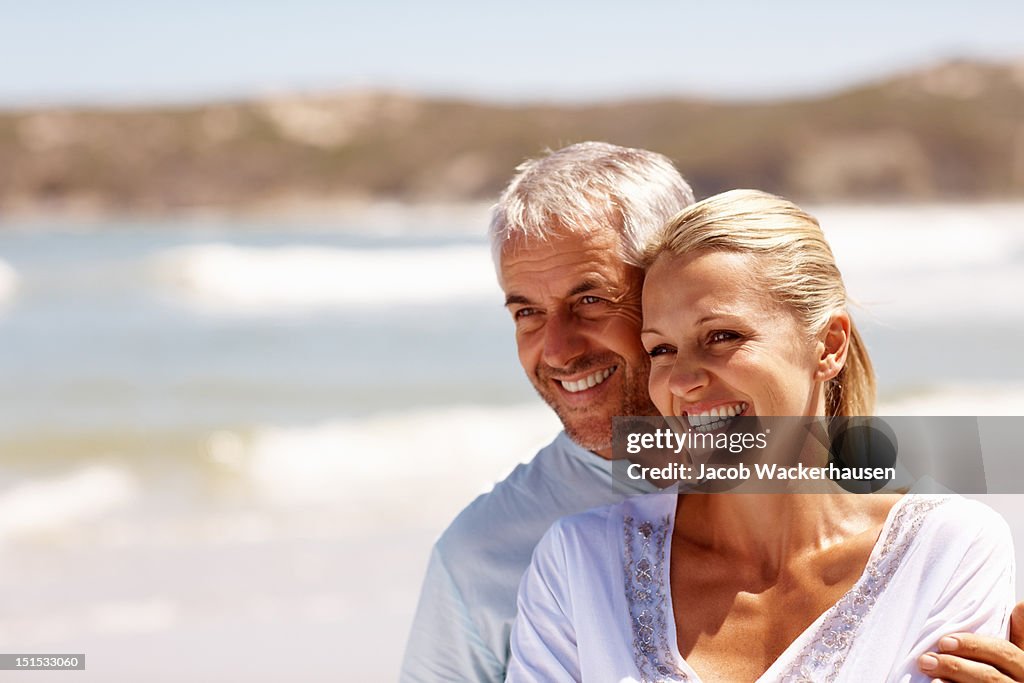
922,264
930,263
942,297
228,278
923,237
379,456
56,503
8,281
956,399
901,263
410,467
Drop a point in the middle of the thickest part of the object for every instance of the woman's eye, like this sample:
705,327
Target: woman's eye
722,336
659,350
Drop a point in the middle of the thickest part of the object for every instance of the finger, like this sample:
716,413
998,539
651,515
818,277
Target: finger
1017,625
958,670
996,652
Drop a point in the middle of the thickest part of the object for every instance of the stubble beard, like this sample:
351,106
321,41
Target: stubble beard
591,426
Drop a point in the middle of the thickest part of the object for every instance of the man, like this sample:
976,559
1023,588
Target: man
566,236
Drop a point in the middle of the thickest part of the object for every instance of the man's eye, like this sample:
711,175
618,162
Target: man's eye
722,336
523,313
590,299
659,350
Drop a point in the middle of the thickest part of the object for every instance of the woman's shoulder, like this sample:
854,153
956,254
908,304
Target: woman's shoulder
954,513
643,506
949,522
593,527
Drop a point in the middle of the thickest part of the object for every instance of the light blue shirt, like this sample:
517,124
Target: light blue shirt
468,603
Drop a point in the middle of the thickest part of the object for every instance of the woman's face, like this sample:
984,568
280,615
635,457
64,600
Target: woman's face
720,346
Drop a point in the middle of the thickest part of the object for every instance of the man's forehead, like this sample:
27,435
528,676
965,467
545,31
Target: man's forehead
563,246
564,266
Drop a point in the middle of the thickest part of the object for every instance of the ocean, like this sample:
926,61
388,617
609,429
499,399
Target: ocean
227,445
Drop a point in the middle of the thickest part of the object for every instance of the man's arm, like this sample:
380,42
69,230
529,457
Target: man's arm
445,644
970,658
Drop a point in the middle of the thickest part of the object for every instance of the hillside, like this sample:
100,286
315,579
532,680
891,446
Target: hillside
955,131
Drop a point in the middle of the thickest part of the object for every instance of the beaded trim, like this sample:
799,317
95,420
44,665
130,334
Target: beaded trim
644,566
823,656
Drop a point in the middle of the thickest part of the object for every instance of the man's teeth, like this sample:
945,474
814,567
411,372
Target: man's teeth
715,417
591,380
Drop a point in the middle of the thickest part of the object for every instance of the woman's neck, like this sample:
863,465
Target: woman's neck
771,530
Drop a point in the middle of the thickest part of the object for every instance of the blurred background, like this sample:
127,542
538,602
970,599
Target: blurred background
253,356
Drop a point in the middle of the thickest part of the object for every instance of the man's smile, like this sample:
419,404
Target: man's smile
588,381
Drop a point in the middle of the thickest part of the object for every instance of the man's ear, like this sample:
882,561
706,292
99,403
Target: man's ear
833,344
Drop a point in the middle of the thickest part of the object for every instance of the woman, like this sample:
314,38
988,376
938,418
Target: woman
745,314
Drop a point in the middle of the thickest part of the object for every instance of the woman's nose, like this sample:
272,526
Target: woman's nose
688,377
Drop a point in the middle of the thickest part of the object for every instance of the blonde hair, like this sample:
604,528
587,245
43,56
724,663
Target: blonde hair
797,269
589,187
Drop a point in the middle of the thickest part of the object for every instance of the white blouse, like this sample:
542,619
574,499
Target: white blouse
595,604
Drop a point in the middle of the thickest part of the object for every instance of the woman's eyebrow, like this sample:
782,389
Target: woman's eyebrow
705,319
714,315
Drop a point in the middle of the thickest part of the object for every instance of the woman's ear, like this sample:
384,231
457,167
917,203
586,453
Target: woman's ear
833,343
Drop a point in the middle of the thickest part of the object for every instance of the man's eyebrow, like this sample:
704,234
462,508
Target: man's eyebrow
587,286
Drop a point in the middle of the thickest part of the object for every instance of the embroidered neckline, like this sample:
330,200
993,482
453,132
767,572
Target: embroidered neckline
822,657
644,566
825,650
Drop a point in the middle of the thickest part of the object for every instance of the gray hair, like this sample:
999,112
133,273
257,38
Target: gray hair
588,187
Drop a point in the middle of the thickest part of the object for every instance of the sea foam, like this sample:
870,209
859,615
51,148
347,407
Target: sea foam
927,264
60,503
971,400
445,449
8,281
251,280
901,263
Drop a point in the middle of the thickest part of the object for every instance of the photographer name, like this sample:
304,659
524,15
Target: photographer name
742,472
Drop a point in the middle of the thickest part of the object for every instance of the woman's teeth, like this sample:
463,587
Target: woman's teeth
591,380
716,417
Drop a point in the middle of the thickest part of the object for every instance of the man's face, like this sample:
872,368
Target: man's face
576,308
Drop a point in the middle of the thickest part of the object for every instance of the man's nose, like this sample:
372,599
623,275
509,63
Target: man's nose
688,377
563,340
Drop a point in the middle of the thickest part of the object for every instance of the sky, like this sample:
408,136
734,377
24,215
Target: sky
119,51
